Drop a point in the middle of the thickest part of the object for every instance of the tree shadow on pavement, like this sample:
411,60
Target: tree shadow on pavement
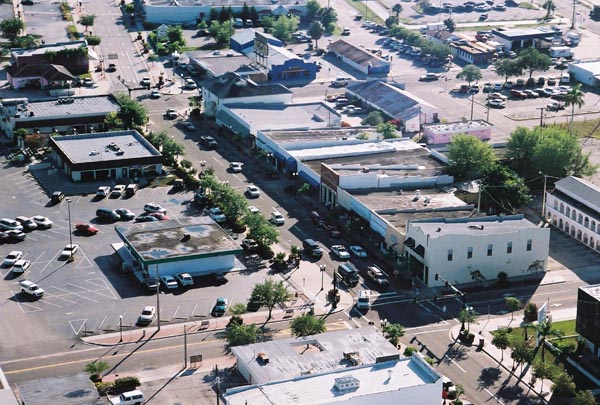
454,352
510,392
488,377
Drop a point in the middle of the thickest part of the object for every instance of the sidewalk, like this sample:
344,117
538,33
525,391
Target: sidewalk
304,283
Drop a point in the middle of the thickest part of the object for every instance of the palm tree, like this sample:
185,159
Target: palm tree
397,9
574,98
543,371
549,7
545,329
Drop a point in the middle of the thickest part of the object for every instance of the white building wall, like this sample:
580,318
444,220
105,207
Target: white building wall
458,270
198,267
360,68
417,395
582,74
212,104
573,221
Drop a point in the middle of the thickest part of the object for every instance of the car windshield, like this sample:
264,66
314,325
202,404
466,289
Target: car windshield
146,312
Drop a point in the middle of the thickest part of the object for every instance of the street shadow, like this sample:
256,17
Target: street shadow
455,352
488,377
510,392
175,376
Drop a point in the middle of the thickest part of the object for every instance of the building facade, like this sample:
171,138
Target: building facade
358,58
475,250
587,323
574,208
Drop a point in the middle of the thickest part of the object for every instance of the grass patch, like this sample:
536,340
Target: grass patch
582,129
528,6
361,7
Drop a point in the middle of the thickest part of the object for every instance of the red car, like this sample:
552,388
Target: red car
86,229
158,215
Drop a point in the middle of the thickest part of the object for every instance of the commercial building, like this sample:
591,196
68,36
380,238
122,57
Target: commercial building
586,72
587,323
358,366
513,39
574,208
194,245
436,134
44,77
190,11
105,156
62,115
359,58
473,52
75,56
475,250
395,103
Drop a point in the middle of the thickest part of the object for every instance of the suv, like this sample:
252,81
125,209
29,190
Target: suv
32,289
131,189
312,248
348,273
129,398
340,81
377,276
57,197
208,141
7,224
277,218
106,214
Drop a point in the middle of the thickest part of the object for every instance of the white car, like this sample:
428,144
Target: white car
118,191
358,251
189,126
31,288
169,282
496,103
217,215
146,81
340,251
103,191
42,221
154,207
253,209
235,167
277,218
253,191
12,258
68,251
20,266
184,279
147,315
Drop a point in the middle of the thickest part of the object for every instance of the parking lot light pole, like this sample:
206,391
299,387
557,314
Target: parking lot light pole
70,231
120,328
157,301
322,268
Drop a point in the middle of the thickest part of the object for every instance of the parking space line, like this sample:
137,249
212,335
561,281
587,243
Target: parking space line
68,293
83,322
176,310
219,162
194,310
102,323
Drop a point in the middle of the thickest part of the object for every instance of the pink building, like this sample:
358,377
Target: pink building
435,134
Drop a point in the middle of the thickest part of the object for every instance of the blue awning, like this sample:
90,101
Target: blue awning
291,164
279,156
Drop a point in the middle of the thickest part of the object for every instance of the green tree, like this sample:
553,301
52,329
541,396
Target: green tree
238,308
312,9
450,24
584,397
544,330
171,150
93,40
391,21
221,32
468,316
507,68
95,368
233,204
129,8
254,14
87,20
27,41
306,325
512,304
33,141
329,19
397,9
316,30
468,157
393,332
284,26
521,353
549,7
270,294
542,371
11,27
470,73
533,60
530,312
563,387
240,335
501,340
505,188
113,121
459,391
261,230
409,351
175,34
131,113
519,151
387,130
374,118
245,14
574,98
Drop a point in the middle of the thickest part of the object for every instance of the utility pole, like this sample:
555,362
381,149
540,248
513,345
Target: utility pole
472,104
185,356
544,198
542,109
157,300
573,18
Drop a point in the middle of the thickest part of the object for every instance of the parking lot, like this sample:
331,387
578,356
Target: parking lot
90,294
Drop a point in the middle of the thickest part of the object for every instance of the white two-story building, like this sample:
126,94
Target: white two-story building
472,250
574,207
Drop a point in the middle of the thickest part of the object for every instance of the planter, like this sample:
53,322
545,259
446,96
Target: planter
466,338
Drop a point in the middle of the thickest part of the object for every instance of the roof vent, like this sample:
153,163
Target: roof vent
476,227
439,230
347,383
366,169
94,153
427,201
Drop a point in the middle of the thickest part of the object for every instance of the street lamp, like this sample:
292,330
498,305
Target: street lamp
70,231
120,328
468,309
157,300
544,198
322,268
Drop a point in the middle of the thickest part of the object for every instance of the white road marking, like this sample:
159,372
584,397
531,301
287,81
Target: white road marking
456,364
493,396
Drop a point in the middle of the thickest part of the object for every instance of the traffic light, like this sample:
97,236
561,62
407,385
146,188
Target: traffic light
437,277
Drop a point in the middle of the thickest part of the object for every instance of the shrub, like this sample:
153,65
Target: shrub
104,387
409,351
235,320
530,312
126,383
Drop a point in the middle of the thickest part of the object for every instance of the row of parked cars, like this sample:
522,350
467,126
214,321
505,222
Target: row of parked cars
117,191
14,229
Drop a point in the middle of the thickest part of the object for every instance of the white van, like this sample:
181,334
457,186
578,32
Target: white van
340,81
565,78
238,22
364,300
129,398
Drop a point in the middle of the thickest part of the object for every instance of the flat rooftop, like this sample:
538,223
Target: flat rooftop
474,226
296,139
320,389
80,106
397,207
164,240
286,116
42,49
458,126
592,290
219,64
288,358
94,147
206,3
592,66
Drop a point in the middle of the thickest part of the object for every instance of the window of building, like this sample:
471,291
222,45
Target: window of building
450,254
555,205
470,252
562,208
568,211
490,249
509,248
529,244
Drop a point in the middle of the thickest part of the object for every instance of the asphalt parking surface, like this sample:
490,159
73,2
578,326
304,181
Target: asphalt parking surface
89,294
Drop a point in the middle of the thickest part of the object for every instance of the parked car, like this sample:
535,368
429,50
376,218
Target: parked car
220,306
235,167
185,279
218,278
131,189
103,191
144,217
21,266
497,96
117,191
377,276
147,315
154,207
171,114
129,398
169,282
158,215
16,235
12,258
155,94
42,222
32,289
277,218
57,197
358,251
125,214
555,106
86,229
217,215
146,81
208,141
7,224
429,77
496,103
249,245
68,251
530,93
27,223
340,251
253,191
188,126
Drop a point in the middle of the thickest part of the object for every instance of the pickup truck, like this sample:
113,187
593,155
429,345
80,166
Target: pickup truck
208,141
